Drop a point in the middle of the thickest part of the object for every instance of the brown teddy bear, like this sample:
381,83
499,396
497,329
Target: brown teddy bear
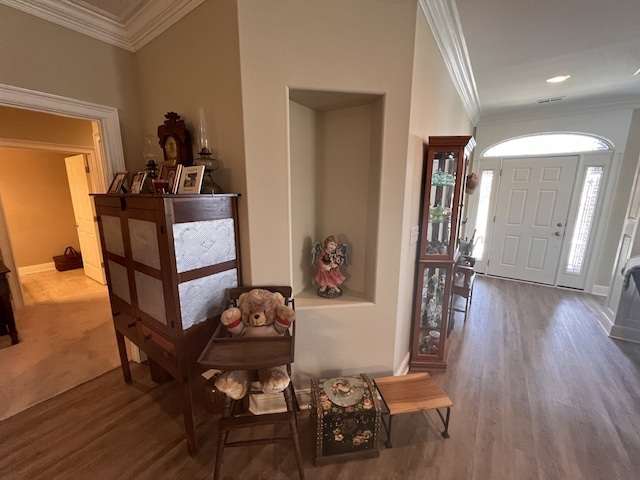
260,313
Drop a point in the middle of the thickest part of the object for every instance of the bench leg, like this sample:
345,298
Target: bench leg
387,428
445,421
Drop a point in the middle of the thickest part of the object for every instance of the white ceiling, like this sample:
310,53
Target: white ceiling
515,45
500,52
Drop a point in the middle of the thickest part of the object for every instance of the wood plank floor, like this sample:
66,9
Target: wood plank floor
539,392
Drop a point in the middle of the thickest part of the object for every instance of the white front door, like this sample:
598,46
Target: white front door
531,217
85,217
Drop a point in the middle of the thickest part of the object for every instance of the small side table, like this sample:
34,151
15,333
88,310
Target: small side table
411,393
7,321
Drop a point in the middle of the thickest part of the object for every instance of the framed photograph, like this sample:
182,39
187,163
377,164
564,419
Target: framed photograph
191,179
138,182
119,183
163,172
168,182
173,177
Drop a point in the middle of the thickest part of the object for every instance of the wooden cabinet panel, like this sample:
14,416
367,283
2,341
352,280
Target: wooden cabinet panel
169,260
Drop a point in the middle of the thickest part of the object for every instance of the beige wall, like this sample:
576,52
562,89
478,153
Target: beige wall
45,57
237,60
196,63
26,125
436,109
37,204
322,45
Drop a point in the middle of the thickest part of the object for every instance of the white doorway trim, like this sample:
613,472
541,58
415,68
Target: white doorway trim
106,117
111,157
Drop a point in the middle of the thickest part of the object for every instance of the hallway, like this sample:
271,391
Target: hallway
66,338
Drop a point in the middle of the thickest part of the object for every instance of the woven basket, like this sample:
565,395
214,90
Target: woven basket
70,260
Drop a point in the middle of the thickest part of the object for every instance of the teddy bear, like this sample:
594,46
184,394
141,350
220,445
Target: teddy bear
260,313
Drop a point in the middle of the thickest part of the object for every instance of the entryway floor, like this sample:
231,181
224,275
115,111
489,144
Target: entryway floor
66,338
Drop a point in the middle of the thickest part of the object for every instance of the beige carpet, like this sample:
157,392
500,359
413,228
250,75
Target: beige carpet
66,338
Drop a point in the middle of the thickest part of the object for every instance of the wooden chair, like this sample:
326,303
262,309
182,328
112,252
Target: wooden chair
226,353
464,277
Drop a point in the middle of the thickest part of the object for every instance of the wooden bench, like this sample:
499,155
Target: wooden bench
411,393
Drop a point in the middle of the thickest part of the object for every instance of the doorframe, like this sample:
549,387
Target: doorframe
107,161
112,153
603,209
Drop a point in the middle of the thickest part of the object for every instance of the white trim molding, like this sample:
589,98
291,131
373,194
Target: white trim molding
107,118
130,33
443,19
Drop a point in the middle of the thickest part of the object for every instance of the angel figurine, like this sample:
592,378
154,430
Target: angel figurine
328,257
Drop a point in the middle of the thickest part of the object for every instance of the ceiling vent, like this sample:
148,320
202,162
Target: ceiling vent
549,100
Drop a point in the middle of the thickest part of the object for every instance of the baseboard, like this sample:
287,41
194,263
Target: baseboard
403,369
600,290
624,333
605,319
43,267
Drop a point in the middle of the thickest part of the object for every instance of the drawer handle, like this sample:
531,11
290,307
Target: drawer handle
131,325
115,314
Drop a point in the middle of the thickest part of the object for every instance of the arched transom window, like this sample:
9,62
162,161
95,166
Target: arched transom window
547,144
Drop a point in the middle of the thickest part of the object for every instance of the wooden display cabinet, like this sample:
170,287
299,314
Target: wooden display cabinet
443,188
169,261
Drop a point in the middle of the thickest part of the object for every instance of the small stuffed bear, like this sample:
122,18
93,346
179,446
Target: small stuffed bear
260,313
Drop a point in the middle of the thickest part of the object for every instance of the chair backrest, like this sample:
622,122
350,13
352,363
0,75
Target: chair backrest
226,353
284,290
463,281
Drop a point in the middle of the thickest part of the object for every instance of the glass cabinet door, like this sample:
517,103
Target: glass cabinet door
433,308
441,214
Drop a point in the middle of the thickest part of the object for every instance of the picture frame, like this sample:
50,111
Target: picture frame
168,179
119,183
191,179
163,170
137,183
173,177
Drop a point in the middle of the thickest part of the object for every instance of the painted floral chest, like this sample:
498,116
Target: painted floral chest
346,413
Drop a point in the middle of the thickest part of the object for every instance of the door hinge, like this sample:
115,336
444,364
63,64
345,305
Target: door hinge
101,264
162,229
500,174
86,168
494,219
488,261
96,219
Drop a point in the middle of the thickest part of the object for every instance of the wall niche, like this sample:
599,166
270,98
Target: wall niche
335,152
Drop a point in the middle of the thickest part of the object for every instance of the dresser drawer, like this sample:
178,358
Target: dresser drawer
159,348
126,324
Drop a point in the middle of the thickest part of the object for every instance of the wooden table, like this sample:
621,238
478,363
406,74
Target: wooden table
411,393
7,321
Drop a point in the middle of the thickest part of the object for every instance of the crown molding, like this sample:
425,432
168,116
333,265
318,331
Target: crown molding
153,18
443,19
543,112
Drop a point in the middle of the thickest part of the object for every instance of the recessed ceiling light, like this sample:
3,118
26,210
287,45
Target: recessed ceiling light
637,72
558,79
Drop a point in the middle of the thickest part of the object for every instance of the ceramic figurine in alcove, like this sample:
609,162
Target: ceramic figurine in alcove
328,257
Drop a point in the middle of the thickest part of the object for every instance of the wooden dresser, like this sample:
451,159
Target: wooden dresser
169,261
7,321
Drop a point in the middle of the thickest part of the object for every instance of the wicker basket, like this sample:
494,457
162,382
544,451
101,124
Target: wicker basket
70,260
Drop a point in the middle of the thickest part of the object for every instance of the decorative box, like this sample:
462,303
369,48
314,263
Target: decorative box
346,413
